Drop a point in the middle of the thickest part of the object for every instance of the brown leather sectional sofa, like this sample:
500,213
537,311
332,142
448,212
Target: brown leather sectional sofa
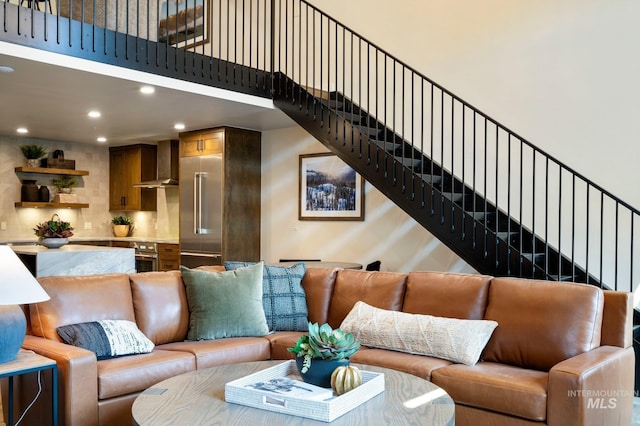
558,350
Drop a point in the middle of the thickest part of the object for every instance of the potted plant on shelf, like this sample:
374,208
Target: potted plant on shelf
53,233
122,226
33,154
64,185
320,352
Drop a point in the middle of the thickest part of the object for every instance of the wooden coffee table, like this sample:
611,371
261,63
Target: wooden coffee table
197,398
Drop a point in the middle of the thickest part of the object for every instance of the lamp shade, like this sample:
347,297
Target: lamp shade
17,285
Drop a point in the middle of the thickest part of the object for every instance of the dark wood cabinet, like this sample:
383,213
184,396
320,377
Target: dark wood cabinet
241,154
168,256
129,165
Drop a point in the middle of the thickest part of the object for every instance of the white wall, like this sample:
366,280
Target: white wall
563,75
387,233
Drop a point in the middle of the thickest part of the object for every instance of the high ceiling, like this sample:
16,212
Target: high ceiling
51,95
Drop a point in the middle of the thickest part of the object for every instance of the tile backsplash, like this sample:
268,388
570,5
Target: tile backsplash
93,189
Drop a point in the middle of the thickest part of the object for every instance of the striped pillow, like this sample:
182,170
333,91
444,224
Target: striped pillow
106,338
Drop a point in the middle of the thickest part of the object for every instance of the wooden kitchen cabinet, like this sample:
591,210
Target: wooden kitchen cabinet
201,143
129,165
168,256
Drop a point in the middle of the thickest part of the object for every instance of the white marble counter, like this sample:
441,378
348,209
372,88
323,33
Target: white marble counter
76,260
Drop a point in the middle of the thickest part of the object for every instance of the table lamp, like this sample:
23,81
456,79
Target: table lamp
17,286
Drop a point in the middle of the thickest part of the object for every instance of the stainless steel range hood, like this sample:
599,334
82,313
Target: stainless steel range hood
168,163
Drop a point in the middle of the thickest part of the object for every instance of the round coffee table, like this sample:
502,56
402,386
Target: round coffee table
197,398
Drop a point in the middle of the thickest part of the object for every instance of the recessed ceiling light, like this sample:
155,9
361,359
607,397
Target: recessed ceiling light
6,69
147,90
22,130
178,126
101,139
94,114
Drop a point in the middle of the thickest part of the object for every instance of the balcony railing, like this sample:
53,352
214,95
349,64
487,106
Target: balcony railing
243,45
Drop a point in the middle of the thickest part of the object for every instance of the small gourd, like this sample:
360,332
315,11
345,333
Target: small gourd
345,378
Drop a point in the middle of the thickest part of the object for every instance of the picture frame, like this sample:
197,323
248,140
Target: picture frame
184,23
329,189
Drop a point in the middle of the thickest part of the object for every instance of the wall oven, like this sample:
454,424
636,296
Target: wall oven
146,256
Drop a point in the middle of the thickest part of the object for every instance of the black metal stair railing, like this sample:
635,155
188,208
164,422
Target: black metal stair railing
502,204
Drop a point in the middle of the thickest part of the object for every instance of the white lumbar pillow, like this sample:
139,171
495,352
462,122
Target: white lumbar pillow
453,339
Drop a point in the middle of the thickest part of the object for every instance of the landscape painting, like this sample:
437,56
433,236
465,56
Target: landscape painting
184,23
329,189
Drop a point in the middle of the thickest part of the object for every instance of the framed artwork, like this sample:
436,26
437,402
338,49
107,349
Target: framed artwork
184,23
329,189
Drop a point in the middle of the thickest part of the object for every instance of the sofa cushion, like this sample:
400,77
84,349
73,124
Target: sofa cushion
542,322
283,299
106,338
421,366
384,290
209,353
443,294
452,339
135,373
496,387
225,304
160,305
77,299
318,285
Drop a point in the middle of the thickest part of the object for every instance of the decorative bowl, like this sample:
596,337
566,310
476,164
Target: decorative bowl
54,243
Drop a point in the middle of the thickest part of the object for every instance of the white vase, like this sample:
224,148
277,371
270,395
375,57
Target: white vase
33,162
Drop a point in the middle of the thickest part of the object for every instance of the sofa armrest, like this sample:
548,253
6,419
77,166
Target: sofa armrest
77,380
593,388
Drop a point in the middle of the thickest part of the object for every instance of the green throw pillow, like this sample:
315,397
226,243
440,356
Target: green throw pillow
225,304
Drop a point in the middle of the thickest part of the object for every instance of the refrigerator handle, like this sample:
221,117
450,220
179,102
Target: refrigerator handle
196,218
201,175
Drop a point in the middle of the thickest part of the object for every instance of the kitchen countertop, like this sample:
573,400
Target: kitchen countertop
33,241
76,259
69,248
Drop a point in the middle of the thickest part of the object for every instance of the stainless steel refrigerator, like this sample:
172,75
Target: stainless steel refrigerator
201,210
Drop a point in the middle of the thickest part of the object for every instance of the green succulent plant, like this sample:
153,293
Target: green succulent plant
323,342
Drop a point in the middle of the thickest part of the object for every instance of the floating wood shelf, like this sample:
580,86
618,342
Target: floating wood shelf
36,204
50,171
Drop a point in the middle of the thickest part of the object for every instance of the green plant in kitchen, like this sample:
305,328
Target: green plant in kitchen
122,220
33,152
54,228
122,226
64,183
323,342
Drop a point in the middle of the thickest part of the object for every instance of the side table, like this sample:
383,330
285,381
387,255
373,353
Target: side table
29,362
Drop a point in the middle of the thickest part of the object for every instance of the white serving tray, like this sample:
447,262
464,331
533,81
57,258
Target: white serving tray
327,411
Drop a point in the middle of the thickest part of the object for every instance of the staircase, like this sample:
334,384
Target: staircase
503,205
479,232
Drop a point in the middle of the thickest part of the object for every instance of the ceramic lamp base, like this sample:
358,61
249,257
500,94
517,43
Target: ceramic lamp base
13,327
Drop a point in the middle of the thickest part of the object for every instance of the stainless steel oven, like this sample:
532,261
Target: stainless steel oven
146,256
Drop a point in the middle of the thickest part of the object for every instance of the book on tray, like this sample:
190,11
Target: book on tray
284,386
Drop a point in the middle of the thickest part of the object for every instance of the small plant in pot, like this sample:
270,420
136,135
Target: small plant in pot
54,232
33,154
122,226
320,352
64,184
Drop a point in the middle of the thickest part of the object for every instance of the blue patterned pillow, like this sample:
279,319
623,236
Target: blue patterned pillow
283,298
106,338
